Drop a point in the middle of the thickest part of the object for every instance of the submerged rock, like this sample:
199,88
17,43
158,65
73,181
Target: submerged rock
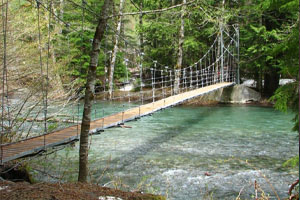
234,94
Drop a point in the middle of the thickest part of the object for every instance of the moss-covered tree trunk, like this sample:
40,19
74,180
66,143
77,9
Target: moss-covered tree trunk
180,50
89,93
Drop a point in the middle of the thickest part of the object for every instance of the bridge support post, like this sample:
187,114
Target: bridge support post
153,80
237,30
191,77
139,111
166,81
222,52
171,83
123,114
162,83
103,123
141,78
103,119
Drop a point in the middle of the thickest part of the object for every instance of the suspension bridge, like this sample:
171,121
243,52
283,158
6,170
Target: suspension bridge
34,145
166,87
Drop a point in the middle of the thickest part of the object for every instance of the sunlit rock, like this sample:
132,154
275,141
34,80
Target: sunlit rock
234,94
240,94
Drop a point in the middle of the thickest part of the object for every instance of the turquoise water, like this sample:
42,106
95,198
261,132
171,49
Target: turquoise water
192,153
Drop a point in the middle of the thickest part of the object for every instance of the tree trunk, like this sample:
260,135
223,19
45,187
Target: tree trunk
260,80
89,94
259,83
115,51
299,81
218,64
180,50
61,10
141,33
271,81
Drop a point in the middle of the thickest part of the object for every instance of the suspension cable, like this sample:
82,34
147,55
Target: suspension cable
40,56
47,72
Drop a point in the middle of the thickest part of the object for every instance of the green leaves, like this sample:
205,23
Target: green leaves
289,6
285,97
191,44
161,32
291,163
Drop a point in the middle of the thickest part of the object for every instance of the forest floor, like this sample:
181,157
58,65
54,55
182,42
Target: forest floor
66,191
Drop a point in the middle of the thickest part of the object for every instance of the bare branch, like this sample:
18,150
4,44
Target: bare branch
154,11
293,186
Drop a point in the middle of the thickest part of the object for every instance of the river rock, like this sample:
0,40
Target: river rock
286,81
127,87
234,94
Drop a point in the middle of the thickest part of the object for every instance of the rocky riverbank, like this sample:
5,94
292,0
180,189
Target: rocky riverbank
67,191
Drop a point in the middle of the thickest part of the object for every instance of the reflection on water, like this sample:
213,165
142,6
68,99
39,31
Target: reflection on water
192,152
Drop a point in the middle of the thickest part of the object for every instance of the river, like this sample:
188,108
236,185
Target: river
189,153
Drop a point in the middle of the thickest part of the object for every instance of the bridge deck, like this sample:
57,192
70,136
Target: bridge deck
34,145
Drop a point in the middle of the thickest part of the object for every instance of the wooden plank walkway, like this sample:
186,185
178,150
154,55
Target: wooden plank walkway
34,145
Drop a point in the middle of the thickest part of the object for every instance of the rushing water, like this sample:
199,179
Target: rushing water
193,153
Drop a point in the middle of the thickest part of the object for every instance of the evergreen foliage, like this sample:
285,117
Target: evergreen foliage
268,37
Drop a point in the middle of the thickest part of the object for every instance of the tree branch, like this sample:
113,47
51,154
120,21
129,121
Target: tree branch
293,186
154,11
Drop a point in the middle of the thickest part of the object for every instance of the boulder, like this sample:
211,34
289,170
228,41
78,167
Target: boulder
240,94
234,94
